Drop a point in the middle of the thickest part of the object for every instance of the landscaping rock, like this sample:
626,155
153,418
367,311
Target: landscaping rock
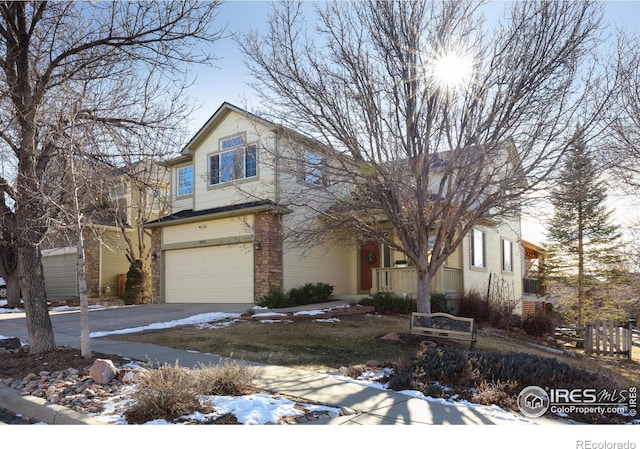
103,371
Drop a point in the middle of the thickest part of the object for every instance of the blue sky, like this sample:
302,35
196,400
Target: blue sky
228,81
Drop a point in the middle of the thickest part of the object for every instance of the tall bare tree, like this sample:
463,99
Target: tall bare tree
436,119
116,65
623,144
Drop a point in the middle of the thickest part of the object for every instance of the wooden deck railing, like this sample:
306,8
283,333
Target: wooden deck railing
404,280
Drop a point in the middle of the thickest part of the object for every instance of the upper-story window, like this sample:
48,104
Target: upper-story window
478,245
234,161
313,169
185,180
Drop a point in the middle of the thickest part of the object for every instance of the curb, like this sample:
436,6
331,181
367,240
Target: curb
40,410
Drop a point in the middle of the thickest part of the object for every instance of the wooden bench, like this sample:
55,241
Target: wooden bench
443,325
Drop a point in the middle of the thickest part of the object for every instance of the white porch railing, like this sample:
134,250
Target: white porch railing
404,280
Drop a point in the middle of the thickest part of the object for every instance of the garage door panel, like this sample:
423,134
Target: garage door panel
60,273
217,274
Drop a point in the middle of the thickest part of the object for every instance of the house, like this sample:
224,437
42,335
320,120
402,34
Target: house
112,235
222,241
535,301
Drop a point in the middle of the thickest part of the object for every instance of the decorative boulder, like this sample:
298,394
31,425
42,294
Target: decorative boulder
102,371
10,343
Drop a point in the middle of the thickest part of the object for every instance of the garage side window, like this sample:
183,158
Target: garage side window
235,161
185,180
507,256
478,245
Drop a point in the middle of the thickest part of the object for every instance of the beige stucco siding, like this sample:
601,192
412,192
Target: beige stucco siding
262,186
208,230
332,265
113,261
478,279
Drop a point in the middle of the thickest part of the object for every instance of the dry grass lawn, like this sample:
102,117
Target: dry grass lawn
351,341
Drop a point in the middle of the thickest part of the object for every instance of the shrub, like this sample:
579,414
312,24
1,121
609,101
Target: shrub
163,393
473,305
311,293
276,300
227,379
438,364
172,391
137,287
538,326
439,303
511,371
390,302
306,294
497,312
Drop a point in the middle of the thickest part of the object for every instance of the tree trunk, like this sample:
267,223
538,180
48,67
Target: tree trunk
31,279
424,290
13,290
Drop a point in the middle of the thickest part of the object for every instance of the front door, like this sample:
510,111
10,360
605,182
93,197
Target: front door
369,259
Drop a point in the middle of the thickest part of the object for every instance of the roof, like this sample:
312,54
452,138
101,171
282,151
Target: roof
189,215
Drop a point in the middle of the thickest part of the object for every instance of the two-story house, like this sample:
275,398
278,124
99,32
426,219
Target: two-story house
114,211
223,240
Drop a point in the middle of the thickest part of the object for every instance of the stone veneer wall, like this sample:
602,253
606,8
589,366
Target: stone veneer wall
156,264
268,258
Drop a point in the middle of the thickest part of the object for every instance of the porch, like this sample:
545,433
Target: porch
404,280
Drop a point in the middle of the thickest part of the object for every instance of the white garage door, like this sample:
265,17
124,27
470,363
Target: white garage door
60,273
216,274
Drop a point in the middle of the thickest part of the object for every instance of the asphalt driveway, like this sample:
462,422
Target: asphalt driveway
66,324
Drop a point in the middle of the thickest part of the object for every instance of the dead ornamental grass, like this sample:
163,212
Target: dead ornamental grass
173,391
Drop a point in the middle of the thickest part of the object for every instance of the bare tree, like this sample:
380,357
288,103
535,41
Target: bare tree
116,65
623,144
423,140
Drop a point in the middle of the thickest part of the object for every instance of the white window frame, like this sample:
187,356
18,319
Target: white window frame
478,246
244,157
312,172
507,256
180,183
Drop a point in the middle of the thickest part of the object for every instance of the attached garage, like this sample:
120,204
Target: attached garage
60,272
211,274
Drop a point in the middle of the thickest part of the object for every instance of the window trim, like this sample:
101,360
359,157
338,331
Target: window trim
178,170
238,144
503,252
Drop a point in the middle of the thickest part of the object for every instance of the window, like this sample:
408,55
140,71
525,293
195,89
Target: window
313,173
478,249
234,163
507,256
185,180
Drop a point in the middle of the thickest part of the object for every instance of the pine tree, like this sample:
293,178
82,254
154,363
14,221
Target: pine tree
584,242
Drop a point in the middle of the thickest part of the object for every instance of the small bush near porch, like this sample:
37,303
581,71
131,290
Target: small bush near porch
387,302
306,294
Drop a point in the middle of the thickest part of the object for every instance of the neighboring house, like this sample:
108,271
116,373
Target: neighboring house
222,243
535,300
113,228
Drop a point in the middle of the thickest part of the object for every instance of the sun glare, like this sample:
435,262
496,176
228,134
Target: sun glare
452,71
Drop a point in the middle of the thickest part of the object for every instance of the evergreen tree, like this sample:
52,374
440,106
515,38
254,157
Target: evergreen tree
584,242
